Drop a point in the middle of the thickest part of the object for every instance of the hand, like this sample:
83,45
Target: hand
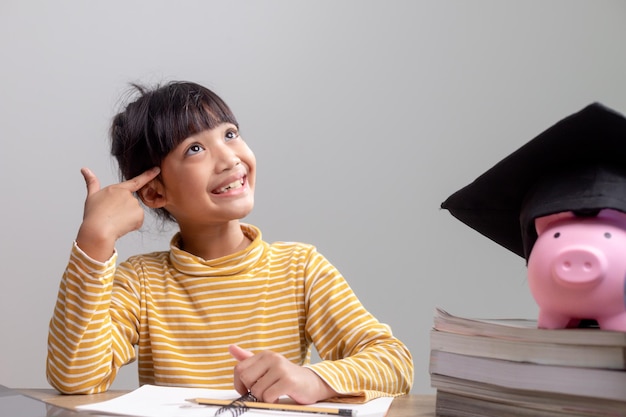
268,375
110,213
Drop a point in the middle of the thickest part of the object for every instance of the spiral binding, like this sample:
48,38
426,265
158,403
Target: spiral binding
238,406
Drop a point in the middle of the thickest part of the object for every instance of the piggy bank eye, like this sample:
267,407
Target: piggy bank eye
557,234
607,235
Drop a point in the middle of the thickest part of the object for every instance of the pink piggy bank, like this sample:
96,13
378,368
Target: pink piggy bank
577,270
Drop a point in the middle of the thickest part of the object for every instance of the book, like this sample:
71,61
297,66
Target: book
454,405
520,350
607,384
525,330
510,367
461,397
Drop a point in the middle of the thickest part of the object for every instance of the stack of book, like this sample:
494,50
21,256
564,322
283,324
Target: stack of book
511,368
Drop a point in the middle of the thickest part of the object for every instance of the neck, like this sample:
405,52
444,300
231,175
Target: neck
214,241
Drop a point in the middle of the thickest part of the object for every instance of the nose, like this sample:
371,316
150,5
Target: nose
225,158
579,266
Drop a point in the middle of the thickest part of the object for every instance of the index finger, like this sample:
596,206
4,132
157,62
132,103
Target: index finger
239,353
135,184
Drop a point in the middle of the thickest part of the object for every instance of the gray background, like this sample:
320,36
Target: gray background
364,116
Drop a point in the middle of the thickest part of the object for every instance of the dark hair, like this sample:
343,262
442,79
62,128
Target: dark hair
158,120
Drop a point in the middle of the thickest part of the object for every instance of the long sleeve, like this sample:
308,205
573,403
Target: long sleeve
180,313
361,356
85,348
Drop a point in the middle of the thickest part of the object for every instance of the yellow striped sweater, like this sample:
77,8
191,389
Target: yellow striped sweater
178,313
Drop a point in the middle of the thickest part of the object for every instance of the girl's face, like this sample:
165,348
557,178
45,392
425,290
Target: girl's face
208,179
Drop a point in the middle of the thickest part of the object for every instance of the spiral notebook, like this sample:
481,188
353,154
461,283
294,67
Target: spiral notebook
160,401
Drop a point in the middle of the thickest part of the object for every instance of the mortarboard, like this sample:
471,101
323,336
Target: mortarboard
578,164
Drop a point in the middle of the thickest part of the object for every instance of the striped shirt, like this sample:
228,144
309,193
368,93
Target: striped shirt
177,313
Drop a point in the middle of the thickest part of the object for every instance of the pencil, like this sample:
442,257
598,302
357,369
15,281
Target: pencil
280,407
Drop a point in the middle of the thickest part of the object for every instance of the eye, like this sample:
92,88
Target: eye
194,149
231,134
557,235
607,235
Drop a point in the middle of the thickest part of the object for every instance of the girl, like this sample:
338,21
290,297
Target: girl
222,307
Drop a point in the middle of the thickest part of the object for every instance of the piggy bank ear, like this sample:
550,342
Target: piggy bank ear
542,223
614,215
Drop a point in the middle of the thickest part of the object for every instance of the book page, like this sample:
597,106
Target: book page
160,401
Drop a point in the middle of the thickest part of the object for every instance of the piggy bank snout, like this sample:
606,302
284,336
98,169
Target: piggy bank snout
577,266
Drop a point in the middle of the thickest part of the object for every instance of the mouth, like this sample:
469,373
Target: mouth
232,186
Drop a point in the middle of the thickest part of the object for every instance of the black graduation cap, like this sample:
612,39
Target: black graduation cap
578,165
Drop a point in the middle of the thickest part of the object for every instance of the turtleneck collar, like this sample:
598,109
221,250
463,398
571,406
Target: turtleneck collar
232,264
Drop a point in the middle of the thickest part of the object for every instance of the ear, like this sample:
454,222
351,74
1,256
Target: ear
542,223
613,215
152,194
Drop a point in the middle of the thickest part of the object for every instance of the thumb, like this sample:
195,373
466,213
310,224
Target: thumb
239,353
92,182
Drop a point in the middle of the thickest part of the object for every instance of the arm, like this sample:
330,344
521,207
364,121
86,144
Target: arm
360,355
85,350
86,345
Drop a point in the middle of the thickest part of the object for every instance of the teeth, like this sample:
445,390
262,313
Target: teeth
231,186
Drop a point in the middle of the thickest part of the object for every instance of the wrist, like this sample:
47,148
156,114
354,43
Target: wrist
95,245
323,390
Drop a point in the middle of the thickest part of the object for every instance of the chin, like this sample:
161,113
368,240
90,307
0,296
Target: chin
244,210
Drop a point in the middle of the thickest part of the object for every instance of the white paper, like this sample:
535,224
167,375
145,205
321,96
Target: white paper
160,401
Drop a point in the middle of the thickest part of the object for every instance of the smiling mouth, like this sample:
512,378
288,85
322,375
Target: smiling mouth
232,186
